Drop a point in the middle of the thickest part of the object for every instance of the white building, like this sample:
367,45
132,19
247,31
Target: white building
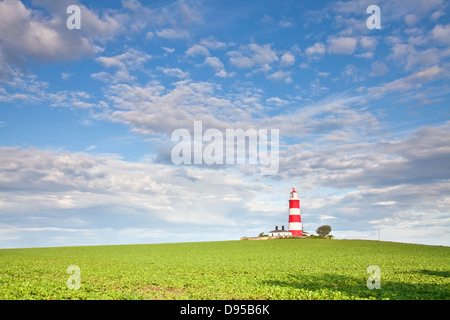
279,233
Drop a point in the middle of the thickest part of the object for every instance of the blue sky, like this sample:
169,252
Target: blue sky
86,117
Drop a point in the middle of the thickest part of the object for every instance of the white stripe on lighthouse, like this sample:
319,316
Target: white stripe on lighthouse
295,226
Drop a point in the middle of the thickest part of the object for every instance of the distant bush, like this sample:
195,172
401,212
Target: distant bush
323,230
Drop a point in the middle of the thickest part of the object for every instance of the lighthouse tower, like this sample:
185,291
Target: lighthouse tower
295,221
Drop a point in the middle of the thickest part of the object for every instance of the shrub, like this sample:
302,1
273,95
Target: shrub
323,230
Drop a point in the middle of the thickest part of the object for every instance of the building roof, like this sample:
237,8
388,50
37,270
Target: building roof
278,230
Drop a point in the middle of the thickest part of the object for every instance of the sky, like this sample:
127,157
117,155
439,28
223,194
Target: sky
88,116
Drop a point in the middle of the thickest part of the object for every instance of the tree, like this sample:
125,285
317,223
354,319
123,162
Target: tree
323,230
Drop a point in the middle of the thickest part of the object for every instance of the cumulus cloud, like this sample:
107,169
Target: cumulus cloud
173,34
35,183
154,109
284,76
217,65
342,45
441,33
420,159
24,35
28,89
197,50
286,23
317,49
287,59
174,72
251,55
212,43
413,81
418,51
132,59
31,34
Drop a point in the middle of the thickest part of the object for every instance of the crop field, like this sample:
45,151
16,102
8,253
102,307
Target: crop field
271,269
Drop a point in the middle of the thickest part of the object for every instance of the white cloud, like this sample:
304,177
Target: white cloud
35,182
277,101
22,33
416,52
153,109
168,50
65,75
437,14
91,148
441,33
27,89
284,76
317,49
253,55
386,203
286,23
43,35
174,72
413,81
172,34
403,165
411,19
189,14
217,65
342,45
130,60
197,50
368,42
352,73
213,44
287,59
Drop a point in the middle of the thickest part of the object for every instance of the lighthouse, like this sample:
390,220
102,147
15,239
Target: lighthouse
295,221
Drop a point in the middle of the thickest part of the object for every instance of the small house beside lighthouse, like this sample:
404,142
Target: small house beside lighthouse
279,232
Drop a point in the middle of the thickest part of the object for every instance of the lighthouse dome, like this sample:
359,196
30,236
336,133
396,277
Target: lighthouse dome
294,194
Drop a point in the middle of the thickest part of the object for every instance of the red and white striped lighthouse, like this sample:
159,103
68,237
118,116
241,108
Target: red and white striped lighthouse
295,221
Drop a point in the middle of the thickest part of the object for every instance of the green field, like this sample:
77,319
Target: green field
270,269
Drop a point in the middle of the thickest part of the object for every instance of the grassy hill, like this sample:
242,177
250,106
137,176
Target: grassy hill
271,269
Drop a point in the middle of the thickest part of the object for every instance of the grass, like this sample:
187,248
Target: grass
271,269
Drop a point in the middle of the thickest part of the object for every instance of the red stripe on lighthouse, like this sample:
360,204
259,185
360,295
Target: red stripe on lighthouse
294,204
295,218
